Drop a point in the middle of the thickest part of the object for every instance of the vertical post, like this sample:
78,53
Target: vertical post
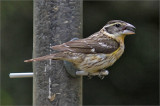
55,22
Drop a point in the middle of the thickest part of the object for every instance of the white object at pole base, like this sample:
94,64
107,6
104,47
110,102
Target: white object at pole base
21,75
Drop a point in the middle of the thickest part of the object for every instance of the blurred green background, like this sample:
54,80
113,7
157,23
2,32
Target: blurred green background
133,79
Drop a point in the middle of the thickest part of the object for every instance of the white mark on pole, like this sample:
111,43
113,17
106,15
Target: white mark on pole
49,92
50,61
50,48
45,69
65,22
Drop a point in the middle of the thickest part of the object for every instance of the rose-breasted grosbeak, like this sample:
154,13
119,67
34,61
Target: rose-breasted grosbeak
98,51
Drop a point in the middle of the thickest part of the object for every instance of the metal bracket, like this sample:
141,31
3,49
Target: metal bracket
21,75
72,72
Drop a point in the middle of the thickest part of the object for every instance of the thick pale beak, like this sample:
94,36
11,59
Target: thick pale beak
129,29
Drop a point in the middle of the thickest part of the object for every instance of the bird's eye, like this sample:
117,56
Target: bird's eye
118,25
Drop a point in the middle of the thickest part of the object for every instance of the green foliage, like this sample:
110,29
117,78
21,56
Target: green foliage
16,22
6,97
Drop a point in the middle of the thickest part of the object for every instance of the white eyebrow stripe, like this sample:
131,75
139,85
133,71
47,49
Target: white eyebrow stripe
107,26
112,24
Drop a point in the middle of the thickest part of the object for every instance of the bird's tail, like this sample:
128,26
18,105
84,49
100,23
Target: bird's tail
52,56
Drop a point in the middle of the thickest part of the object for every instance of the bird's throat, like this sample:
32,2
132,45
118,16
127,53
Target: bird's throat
120,38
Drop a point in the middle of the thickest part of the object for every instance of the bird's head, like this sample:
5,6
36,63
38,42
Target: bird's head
117,28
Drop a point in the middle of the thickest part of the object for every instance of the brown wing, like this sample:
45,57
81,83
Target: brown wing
89,45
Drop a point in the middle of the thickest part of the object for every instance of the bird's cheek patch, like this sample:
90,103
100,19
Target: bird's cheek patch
109,30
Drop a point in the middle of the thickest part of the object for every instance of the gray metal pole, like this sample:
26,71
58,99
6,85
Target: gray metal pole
55,22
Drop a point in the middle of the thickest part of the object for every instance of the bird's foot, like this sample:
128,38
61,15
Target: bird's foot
90,76
102,74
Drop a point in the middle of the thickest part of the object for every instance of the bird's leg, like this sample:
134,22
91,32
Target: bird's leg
90,76
101,74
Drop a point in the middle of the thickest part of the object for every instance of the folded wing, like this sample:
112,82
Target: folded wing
89,46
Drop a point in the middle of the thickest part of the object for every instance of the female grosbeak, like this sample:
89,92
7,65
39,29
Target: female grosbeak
98,51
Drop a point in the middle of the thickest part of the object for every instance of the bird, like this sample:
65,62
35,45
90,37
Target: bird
96,52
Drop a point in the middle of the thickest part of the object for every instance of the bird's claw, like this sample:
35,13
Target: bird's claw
101,75
90,76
